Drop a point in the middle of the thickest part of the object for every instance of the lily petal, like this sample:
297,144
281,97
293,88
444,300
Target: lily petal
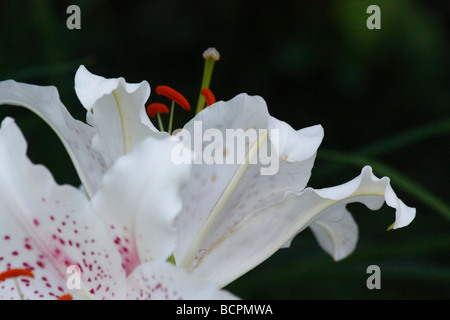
164,281
140,197
219,196
256,238
335,229
75,135
46,227
116,109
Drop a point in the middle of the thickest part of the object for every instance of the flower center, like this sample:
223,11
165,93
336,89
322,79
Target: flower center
155,109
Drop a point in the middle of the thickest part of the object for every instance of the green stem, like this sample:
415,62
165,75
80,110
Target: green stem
398,141
407,138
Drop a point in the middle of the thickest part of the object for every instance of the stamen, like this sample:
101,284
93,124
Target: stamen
156,107
173,95
14,273
209,96
65,297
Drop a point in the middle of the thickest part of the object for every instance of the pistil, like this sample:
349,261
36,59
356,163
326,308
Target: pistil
211,55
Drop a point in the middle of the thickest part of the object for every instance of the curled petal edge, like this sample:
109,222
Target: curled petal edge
260,235
335,229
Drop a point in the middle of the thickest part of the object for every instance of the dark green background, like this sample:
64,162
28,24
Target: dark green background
313,62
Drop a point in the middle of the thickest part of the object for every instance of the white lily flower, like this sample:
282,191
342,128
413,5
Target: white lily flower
234,217
115,114
119,241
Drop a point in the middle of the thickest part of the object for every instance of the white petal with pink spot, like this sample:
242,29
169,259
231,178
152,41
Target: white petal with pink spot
46,227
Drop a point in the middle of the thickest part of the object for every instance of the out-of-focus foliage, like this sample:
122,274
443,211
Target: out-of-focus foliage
313,62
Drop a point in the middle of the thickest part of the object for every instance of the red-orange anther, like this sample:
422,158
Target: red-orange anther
209,96
173,95
65,297
156,107
13,273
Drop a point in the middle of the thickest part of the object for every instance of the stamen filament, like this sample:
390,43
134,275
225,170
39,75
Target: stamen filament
19,291
161,127
172,110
